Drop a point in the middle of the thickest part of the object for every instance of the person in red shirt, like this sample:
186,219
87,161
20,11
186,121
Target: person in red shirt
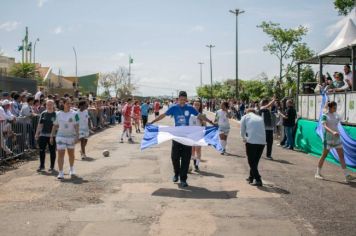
156,108
127,113
137,116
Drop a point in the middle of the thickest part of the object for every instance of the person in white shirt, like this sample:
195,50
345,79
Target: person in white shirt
67,124
222,119
5,127
252,133
39,94
348,77
83,126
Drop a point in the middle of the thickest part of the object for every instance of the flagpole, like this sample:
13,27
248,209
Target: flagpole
129,71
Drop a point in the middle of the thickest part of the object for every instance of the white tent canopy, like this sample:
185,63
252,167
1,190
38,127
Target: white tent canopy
346,38
338,52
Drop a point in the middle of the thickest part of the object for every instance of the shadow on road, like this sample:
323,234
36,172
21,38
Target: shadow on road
89,159
194,193
351,184
273,189
233,155
75,180
211,174
283,162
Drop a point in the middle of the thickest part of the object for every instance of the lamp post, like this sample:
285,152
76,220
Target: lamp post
211,71
34,51
201,73
76,68
237,12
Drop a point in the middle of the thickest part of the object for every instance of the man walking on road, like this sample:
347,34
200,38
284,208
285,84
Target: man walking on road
181,153
252,127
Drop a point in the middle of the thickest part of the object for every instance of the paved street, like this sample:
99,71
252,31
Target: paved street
131,193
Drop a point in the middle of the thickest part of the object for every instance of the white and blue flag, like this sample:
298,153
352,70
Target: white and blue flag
187,135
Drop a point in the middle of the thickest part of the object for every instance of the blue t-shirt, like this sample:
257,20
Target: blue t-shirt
144,109
181,114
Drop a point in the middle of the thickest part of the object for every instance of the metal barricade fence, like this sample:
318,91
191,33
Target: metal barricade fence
18,137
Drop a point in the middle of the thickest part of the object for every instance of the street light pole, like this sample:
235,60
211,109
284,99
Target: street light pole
76,68
237,12
201,73
34,51
211,71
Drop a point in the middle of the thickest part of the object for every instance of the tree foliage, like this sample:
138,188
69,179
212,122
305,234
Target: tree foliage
283,41
24,70
117,82
344,7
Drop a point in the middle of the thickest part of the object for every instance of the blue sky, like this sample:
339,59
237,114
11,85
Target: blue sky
166,38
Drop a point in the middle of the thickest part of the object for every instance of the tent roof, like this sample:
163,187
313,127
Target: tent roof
339,51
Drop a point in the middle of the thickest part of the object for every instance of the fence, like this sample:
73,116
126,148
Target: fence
309,106
18,137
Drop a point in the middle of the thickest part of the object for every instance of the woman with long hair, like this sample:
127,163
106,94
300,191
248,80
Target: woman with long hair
222,119
330,121
197,121
67,126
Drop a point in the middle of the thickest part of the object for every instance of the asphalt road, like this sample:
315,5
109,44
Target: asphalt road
131,193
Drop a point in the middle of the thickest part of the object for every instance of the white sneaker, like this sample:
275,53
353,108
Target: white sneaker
349,178
319,176
71,171
60,175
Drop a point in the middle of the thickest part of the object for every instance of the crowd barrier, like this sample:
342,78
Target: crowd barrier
18,137
309,106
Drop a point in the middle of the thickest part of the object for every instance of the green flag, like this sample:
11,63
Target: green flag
20,48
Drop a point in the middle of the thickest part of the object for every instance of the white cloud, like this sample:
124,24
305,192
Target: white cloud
197,28
58,30
118,56
9,25
40,3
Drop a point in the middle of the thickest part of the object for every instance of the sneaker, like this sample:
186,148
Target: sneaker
319,176
257,183
196,167
131,141
83,155
50,169
183,184
269,158
71,171
40,169
249,180
349,178
175,179
60,175
122,141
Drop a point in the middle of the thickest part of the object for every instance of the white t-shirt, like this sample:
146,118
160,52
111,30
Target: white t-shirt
194,121
38,95
83,120
222,118
66,122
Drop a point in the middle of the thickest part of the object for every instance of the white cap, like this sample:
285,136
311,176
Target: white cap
5,102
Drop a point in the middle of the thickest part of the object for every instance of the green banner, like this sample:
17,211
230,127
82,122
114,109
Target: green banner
307,140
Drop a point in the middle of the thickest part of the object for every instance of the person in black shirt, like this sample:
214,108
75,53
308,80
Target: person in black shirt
289,123
43,134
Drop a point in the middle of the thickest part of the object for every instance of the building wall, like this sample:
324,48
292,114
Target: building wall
5,64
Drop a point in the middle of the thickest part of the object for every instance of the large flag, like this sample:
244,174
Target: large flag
187,135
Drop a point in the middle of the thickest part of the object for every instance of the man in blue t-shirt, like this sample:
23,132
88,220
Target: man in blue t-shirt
181,153
144,112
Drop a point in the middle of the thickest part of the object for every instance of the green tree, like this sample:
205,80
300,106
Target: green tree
283,41
344,7
24,70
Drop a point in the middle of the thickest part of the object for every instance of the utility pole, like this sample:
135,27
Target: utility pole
76,68
237,12
201,73
130,62
26,45
211,71
34,51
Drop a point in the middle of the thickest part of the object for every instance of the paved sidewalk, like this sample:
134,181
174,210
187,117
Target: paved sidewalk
131,193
